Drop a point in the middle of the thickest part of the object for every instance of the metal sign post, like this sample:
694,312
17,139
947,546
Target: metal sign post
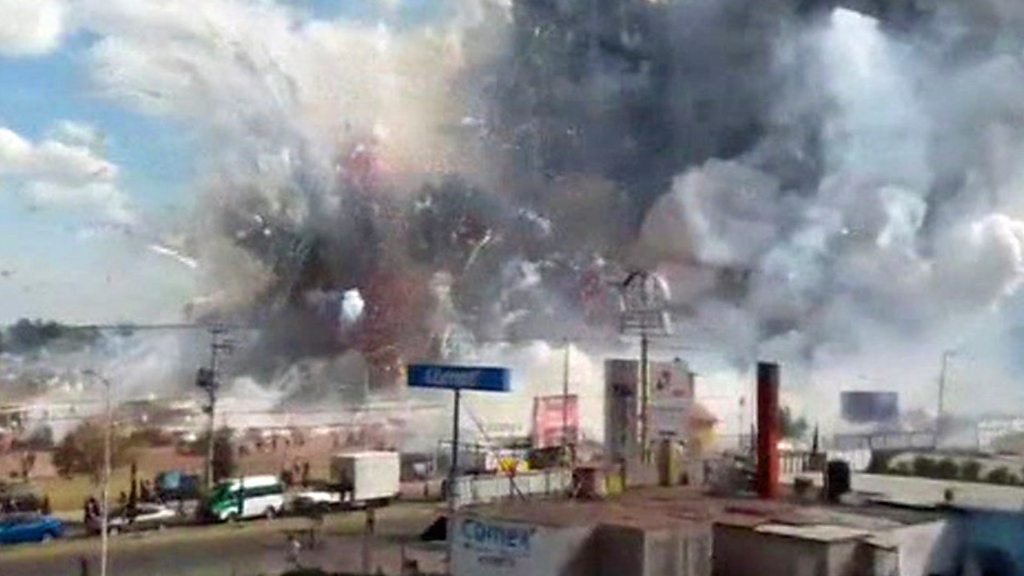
457,379
644,303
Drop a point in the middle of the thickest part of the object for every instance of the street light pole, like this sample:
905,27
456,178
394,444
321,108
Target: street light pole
105,510
565,406
941,409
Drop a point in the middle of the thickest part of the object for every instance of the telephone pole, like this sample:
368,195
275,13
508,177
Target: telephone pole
941,409
208,380
567,451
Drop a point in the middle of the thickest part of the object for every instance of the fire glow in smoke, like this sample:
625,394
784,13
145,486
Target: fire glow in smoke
805,177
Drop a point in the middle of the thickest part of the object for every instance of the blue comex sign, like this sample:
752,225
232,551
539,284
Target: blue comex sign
507,539
482,378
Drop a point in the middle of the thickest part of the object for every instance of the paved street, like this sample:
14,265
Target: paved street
243,549
926,492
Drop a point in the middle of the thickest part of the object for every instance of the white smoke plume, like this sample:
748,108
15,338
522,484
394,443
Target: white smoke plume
874,239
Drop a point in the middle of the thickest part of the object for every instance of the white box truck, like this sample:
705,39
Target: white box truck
358,479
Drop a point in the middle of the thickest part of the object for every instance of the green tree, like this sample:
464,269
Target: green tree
224,458
946,469
1000,475
924,467
82,451
970,471
792,427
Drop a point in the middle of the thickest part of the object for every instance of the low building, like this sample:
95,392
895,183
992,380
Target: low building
682,532
576,539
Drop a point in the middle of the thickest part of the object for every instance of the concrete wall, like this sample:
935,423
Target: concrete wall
740,551
925,549
674,551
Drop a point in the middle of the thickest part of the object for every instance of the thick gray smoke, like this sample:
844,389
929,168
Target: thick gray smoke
811,180
860,203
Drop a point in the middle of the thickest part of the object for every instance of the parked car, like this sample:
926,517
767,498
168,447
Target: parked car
177,485
247,497
147,516
20,528
317,496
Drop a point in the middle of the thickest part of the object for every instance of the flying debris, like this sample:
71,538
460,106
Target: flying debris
174,254
352,306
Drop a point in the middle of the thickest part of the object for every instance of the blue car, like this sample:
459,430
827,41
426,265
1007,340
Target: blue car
20,528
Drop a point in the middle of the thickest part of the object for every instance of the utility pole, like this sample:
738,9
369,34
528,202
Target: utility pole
644,400
565,407
105,518
105,497
208,380
940,413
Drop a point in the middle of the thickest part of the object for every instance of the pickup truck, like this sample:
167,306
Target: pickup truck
358,480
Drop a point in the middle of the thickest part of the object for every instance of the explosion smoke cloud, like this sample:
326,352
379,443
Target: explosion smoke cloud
804,175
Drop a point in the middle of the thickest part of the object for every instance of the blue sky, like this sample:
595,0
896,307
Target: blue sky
54,266
54,272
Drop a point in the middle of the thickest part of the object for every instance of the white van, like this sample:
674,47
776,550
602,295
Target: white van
246,497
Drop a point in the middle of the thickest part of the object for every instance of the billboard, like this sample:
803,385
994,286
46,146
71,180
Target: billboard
861,407
549,414
672,391
479,378
622,385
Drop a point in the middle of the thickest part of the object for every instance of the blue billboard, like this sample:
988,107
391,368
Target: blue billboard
481,378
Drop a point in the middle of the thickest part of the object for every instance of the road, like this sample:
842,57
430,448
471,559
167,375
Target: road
926,492
243,549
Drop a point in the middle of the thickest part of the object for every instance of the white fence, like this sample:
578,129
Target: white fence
483,489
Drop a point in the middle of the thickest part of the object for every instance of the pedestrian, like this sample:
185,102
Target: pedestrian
145,494
92,508
45,508
305,473
122,499
294,550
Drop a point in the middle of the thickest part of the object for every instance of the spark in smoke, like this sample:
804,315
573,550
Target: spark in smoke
352,306
175,255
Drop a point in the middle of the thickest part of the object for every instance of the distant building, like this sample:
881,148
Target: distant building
992,429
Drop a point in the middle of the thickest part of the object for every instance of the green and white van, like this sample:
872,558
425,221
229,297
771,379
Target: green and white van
246,497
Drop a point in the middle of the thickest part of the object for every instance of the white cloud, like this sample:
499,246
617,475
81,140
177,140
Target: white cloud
30,27
95,197
64,171
52,160
77,134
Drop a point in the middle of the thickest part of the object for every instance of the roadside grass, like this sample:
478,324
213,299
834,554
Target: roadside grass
67,495
339,524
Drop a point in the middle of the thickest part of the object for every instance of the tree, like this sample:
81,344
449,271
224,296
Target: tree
792,428
224,462
224,459
1000,475
27,462
41,438
946,469
970,471
924,467
28,336
81,451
